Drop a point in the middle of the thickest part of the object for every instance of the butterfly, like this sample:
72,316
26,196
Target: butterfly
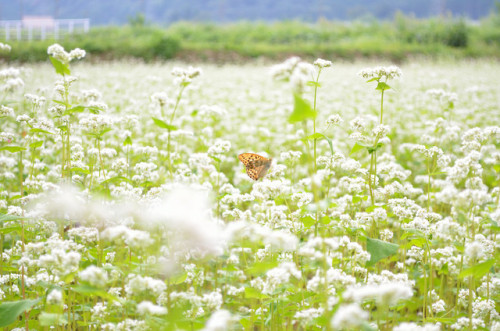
255,164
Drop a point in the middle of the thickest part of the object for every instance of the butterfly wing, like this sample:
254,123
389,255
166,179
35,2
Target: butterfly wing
263,168
256,165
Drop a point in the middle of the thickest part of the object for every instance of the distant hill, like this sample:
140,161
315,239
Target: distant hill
164,12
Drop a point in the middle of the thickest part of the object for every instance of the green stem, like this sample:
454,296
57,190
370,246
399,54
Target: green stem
382,107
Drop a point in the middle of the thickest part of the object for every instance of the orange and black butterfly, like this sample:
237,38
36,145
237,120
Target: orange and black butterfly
256,165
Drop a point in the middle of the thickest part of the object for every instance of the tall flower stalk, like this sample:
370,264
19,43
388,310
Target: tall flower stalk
381,75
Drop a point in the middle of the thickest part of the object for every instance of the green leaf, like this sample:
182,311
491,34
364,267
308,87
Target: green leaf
6,218
302,110
117,179
216,159
178,279
357,147
94,110
245,322
10,229
50,319
373,79
379,250
75,109
372,149
61,103
478,270
9,311
61,68
251,293
12,149
36,144
163,124
36,130
80,170
315,136
318,136
127,141
308,221
259,268
94,291
382,86
313,83
329,143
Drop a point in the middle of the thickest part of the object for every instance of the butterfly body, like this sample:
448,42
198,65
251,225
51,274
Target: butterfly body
256,165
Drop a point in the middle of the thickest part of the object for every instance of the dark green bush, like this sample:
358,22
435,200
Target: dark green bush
457,34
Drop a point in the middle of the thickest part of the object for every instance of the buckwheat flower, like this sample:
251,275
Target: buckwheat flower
349,316
12,84
133,238
6,111
284,70
5,47
302,199
334,119
474,250
384,294
220,320
280,276
463,297
307,315
58,52
405,326
390,72
94,276
61,90
55,297
138,285
162,99
439,306
23,118
96,123
463,323
484,308
219,147
320,63
213,300
386,235
99,311
87,235
300,76
6,137
185,76
148,308
101,106
380,131
76,53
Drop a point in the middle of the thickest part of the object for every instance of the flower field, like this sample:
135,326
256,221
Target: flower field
124,206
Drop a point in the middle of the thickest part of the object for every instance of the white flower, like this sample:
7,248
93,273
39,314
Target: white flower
379,72
334,119
415,327
349,316
148,308
77,53
5,47
220,320
320,63
55,297
94,276
474,250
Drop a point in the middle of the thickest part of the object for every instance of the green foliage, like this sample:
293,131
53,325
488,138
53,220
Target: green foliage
379,250
9,311
302,110
396,40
